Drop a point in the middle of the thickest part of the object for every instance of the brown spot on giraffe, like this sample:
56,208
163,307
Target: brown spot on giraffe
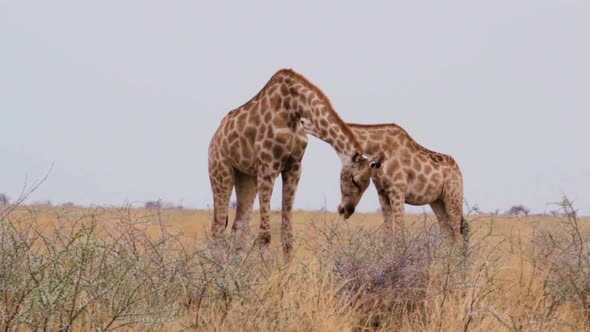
287,103
265,138
410,174
284,90
250,134
254,115
265,157
416,163
268,116
277,152
332,132
293,90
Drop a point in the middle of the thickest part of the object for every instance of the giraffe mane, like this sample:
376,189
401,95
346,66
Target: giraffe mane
307,83
374,125
402,130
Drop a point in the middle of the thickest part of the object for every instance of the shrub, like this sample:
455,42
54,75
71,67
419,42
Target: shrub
45,202
380,278
153,204
160,204
4,200
518,210
564,253
77,276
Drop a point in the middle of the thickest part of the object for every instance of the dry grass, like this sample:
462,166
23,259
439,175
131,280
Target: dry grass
103,269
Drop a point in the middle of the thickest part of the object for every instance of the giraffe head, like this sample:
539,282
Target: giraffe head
355,177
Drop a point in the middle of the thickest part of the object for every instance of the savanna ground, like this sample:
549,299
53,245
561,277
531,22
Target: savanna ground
133,268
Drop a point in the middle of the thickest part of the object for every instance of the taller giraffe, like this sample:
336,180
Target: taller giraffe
264,138
406,172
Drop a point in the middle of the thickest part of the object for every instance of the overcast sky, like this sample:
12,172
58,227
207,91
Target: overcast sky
124,96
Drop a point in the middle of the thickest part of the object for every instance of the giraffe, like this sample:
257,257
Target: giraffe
403,171
265,137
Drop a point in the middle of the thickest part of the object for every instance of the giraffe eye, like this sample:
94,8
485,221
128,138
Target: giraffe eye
358,186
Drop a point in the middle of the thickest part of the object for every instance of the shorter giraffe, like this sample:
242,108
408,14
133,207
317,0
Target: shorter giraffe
405,172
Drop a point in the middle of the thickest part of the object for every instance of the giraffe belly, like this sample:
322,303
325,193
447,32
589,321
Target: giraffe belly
245,163
422,195
248,169
417,200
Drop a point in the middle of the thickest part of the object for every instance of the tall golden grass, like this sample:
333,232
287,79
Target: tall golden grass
108,268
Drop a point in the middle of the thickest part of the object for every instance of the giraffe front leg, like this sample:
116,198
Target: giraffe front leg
397,201
290,180
266,182
386,210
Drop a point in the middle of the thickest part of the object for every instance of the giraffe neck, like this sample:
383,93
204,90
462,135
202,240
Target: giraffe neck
362,136
318,116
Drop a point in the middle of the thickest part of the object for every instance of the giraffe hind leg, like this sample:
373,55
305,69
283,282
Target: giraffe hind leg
454,209
453,203
290,180
443,219
245,194
222,186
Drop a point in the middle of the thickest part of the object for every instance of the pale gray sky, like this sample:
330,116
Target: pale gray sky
123,96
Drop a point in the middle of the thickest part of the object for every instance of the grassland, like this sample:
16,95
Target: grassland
131,268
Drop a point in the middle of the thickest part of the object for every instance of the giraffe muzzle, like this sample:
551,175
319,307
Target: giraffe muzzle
346,210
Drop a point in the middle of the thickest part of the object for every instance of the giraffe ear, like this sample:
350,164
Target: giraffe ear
357,157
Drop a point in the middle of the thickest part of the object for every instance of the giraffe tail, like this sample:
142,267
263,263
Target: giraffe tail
227,221
464,230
